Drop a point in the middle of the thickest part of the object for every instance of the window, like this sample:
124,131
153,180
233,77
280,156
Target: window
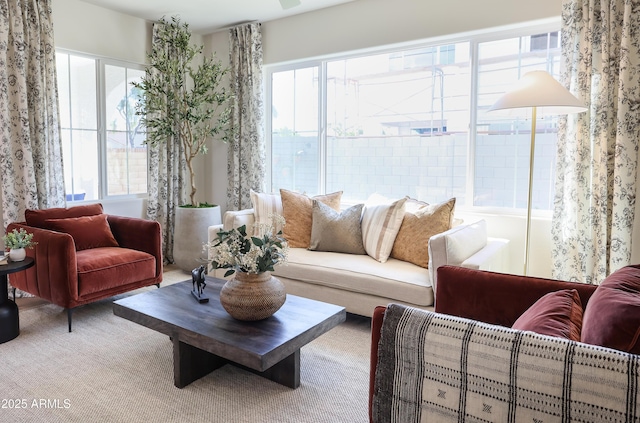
103,143
413,122
502,143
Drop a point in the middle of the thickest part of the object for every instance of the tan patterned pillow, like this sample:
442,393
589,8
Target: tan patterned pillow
412,241
264,206
380,225
297,212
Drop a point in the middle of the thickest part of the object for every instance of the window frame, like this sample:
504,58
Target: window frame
474,38
101,119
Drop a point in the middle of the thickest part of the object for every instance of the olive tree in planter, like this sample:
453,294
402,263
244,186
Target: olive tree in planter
186,100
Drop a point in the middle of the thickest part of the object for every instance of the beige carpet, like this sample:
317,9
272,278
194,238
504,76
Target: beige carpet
113,370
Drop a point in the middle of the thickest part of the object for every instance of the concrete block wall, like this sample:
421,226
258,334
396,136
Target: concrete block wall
430,168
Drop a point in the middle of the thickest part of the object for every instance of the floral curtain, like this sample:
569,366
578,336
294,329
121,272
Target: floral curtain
246,159
167,168
31,168
597,173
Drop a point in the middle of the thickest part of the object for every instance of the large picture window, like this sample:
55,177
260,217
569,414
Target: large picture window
502,142
413,122
103,143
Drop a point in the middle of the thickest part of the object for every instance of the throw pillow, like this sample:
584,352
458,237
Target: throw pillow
612,315
297,212
339,232
557,313
418,226
36,218
87,231
380,225
264,207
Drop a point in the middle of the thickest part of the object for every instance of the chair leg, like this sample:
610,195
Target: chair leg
69,313
158,285
14,294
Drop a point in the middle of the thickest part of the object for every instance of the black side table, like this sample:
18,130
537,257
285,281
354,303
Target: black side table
9,320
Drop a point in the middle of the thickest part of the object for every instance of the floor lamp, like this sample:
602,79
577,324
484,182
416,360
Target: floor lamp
539,92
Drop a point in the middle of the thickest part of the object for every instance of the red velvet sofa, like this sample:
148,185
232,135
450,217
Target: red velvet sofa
83,255
606,316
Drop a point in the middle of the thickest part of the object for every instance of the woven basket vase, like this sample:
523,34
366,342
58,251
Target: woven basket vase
250,296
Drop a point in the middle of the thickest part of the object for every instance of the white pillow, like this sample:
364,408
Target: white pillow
380,226
264,206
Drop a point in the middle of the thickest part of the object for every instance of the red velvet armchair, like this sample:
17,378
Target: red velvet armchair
83,255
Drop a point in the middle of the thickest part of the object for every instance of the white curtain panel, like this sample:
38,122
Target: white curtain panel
596,181
246,158
167,170
30,147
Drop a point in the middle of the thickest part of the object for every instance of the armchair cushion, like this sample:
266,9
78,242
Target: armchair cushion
103,269
37,217
87,231
612,318
557,313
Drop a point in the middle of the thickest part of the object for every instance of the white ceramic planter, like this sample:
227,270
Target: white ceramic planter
17,254
192,227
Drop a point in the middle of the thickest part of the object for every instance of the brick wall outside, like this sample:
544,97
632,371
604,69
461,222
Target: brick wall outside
127,166
430,168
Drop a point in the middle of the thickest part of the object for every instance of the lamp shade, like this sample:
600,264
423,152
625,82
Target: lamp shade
539,89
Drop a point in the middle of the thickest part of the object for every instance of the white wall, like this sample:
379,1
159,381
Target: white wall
85,28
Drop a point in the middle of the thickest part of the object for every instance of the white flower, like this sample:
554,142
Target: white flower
236,251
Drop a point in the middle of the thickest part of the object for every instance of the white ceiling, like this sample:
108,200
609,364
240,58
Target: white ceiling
206,16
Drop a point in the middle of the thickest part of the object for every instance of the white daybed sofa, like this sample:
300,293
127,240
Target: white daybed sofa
360,283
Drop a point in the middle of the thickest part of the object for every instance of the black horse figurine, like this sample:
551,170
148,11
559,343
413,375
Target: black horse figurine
197,275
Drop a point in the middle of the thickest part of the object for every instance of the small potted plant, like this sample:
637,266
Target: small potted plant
16,241
252,294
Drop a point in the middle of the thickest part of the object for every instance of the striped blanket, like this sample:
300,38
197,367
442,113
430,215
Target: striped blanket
438,368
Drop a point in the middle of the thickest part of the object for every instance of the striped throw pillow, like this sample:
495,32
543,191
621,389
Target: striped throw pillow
380,226
264,206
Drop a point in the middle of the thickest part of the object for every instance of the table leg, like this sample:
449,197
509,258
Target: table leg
286,372
191,363
9,319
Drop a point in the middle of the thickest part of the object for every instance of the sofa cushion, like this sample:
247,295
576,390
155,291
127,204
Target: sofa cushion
37,218
394,280
380,226
101,269
297,212
86,231
264,207
339,232
418,226
557,314
612,317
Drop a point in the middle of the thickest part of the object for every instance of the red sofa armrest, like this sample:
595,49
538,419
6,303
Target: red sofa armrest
55,273
138,234
496,298
376,326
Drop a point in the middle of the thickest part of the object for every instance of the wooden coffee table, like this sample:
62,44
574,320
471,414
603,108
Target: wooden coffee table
205,337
